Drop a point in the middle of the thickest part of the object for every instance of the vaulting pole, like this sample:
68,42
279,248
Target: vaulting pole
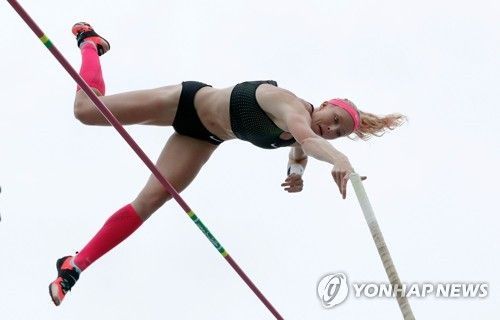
382,249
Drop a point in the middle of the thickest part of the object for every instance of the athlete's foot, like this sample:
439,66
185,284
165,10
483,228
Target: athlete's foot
84,32
67,275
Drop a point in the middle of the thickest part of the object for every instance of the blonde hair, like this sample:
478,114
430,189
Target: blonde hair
374,125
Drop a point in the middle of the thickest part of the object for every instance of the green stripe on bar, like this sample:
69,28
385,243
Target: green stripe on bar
207,233
46,41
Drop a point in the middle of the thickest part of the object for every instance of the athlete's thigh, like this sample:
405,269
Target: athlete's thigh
180,161
153,106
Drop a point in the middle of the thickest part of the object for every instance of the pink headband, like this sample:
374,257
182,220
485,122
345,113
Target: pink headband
349,108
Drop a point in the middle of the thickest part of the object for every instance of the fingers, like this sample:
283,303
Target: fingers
341,178
293,179
345,178
337,177
293,183
294,189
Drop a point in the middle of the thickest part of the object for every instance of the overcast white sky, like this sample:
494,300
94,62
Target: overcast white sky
432,183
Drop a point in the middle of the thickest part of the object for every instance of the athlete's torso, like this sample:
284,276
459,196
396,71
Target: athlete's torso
213,108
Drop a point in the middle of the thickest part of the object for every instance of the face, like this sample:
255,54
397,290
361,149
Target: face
331,122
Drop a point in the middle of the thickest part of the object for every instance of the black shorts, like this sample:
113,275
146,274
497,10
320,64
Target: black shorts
186,121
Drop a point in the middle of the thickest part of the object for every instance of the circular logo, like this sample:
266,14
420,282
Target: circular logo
333,289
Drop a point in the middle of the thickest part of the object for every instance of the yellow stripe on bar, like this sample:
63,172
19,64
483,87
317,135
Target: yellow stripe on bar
190,214
224,253
46,41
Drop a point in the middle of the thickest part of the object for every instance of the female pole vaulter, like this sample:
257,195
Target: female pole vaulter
203,117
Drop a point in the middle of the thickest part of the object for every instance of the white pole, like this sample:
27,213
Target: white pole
383,251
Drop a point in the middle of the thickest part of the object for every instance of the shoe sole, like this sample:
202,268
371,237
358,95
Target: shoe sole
52,291
83,24
53,295
100,47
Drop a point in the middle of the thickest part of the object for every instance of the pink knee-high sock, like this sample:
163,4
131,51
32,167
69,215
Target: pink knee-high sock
116,229
91,67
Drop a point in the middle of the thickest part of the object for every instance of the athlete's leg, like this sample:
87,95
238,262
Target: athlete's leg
180,161
155,106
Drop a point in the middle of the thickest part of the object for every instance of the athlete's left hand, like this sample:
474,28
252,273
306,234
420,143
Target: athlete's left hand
293,183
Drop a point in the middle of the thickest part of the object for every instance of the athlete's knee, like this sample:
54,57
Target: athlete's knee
84,109
81,110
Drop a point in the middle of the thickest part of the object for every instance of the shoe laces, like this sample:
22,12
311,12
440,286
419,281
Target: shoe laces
69,278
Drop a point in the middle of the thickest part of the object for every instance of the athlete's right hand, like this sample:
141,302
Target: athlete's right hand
340,173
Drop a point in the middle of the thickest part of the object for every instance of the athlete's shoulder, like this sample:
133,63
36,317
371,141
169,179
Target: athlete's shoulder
280,103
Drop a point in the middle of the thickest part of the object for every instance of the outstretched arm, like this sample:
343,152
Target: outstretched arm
317,147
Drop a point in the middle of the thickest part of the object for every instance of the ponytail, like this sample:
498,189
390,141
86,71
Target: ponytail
373,125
